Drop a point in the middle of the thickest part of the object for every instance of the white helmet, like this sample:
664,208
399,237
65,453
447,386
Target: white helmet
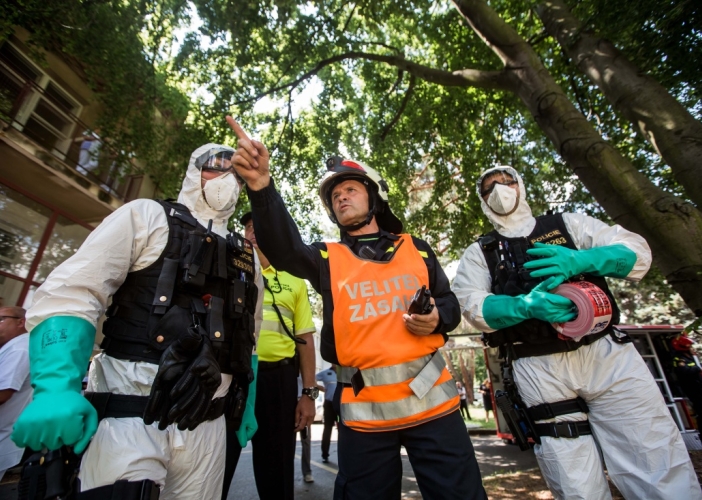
339,170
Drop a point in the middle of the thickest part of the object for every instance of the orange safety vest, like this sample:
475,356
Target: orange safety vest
405,379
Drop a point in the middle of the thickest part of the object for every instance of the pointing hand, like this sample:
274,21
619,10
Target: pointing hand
251,160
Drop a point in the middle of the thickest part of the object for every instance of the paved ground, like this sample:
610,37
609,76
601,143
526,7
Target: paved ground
494,457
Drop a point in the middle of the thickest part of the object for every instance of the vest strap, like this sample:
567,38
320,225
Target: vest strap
552,410
123,490
517,351
110,405
166,285
564,429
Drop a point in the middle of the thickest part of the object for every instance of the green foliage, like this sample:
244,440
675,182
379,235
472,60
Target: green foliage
119,46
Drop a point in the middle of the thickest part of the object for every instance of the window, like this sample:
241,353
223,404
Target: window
34,239
36,105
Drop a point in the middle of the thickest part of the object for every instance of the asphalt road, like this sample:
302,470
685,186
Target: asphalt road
494,457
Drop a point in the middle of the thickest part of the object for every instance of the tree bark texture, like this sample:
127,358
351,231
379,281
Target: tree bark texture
672,227
664,122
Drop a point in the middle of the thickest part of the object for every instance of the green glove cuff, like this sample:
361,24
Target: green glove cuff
248,422
59,351
615,261
501,311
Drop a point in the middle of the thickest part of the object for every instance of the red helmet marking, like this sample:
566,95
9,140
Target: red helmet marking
353,164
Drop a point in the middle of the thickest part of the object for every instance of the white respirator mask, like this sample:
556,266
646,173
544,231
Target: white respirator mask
222,192
503,200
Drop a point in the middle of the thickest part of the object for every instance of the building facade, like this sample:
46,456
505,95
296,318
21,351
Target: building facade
58,179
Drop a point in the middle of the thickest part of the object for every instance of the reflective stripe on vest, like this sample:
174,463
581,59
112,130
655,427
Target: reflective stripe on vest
410,407
406,382
425,371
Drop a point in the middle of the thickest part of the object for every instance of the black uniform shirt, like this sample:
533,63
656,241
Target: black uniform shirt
279,239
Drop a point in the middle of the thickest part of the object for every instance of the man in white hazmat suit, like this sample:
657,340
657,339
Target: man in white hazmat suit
500,285
186,302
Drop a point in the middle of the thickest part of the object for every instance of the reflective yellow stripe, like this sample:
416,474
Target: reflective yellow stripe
423,254
273,326
284,311
325,254
390,249
403,408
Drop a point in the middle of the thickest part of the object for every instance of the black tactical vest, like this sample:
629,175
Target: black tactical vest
505,259
199,278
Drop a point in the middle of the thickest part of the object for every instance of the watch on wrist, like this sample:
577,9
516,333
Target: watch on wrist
312,392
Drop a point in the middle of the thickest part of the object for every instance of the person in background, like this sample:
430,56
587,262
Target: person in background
486,391
464,400
89,155
688,373
285,349
15,386
328,378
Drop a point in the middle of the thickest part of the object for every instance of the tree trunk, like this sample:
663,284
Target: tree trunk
672,227
664,122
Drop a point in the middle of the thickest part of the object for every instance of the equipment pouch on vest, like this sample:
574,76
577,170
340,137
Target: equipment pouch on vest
236,402
199,250
50,474
171,326
244,341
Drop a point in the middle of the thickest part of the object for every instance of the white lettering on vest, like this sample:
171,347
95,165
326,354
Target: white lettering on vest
351,293
354,315
365,289
370,310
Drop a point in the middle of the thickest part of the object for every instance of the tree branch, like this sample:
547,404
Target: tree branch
401,109
492,80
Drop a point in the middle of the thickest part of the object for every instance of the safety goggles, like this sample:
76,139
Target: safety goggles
485,192
217,159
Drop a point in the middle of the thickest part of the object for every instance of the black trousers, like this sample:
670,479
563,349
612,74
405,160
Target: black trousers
274,441
231,458
330,418
440,451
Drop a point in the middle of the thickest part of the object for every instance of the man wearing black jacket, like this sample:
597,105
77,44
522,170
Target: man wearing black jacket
394,389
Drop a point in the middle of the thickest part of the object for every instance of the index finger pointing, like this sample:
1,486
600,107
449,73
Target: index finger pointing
240,134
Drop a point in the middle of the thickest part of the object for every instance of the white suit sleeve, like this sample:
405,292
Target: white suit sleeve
588,232
129,239
471,285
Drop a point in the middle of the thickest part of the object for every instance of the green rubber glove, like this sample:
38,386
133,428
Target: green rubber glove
616,261
501,311
59,350
249,425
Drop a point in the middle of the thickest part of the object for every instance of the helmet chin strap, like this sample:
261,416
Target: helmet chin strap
365,222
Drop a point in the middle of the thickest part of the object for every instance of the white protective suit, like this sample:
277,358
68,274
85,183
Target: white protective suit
642,448
185,464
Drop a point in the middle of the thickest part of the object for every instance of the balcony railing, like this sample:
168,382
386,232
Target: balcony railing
33,104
